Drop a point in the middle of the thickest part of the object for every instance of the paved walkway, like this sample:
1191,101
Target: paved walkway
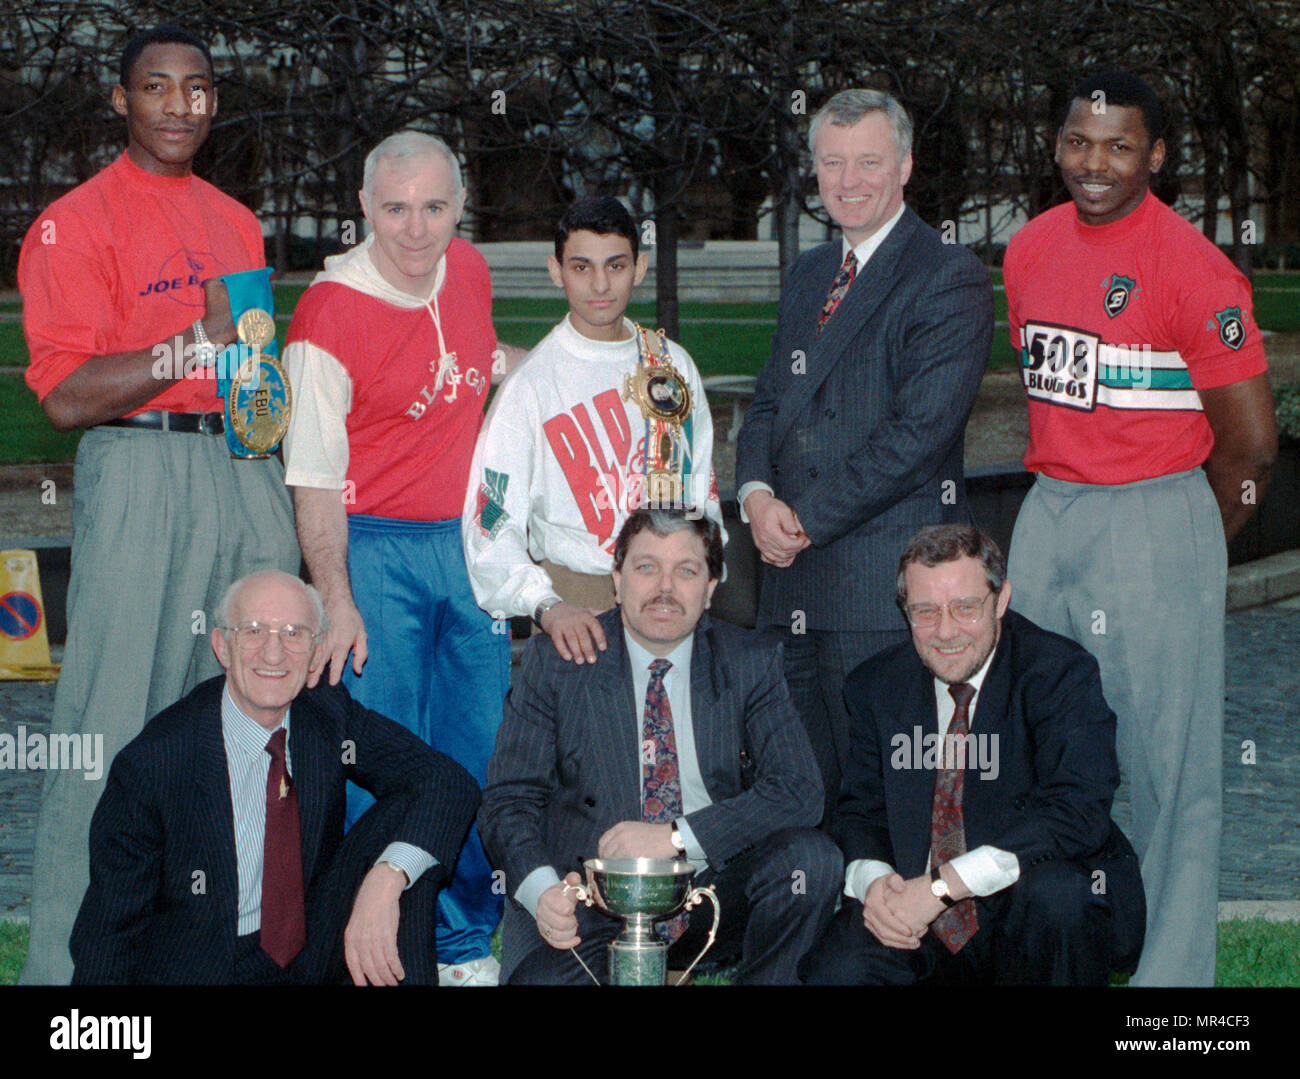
1261,840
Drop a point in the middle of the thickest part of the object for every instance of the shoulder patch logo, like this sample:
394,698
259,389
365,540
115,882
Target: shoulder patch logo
491,503
1232,331
1119,289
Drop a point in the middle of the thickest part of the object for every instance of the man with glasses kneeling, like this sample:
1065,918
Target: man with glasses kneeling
217,852
975,811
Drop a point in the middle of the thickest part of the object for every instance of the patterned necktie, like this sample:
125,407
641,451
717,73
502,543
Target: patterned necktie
284,915
839,287
956,925
662,784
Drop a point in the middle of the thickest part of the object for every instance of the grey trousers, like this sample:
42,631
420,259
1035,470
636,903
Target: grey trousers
1137,574
162,523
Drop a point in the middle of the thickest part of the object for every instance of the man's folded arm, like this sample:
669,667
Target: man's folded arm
788,790
521,776
754,442
861,825
1067,812
495,518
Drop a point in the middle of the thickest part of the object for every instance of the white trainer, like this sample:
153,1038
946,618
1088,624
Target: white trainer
484,971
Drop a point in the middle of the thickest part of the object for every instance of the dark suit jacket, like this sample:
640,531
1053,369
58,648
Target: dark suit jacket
166,815
565,769
861,429
1057,769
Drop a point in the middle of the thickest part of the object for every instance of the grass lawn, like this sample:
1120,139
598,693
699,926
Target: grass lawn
25,434
1253,953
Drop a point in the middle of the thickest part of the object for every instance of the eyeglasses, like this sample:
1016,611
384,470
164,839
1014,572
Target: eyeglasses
966,609
250,636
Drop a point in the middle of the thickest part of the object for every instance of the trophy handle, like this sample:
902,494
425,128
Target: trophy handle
584,896
694,899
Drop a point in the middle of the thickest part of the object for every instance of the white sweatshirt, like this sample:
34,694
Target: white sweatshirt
559,465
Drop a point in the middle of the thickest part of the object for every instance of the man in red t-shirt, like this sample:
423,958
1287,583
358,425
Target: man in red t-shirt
1142,363
390,355
119,286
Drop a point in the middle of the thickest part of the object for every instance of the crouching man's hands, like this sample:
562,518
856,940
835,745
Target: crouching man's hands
370,939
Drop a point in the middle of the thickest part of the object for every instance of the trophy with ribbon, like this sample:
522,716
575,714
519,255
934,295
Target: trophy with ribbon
642,891
664,398
250,380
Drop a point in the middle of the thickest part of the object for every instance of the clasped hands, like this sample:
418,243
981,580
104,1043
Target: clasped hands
898,912
777,533
557,919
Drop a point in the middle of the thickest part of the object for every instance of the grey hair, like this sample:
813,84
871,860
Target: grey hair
221,616
849,106
947,543
404,146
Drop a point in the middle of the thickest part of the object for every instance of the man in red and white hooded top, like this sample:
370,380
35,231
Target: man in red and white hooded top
389,357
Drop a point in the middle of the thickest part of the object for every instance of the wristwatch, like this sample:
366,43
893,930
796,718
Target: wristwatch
679,844
543,607
205,352
939,888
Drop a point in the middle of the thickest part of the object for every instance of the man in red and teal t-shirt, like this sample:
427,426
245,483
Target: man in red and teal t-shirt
390,355
1142,363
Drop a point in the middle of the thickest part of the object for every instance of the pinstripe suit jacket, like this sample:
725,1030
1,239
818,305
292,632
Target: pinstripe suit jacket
165,816
861,429
565,769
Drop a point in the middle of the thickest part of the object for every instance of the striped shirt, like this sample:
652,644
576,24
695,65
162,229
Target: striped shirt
248,764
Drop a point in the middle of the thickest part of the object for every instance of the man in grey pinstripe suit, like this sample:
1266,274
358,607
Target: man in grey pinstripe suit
568,779
855,436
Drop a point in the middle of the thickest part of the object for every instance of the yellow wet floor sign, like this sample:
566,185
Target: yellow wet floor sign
24,646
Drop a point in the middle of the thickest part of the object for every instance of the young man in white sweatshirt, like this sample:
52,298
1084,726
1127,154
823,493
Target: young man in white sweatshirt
600,418
389,358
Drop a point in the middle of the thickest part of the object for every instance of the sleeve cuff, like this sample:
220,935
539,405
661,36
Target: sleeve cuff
747,489
859,875
412,860
530,891
987,869
694,852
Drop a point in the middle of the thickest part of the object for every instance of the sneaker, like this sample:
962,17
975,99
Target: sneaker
484,971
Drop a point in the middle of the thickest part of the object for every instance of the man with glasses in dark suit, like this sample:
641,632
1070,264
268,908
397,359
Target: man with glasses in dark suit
975,817
217,853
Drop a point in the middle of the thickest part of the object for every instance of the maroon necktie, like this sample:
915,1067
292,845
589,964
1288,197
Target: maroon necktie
284,915
662,795
839,287
956,925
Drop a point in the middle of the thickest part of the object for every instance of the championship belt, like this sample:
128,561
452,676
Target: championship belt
664,398
250,380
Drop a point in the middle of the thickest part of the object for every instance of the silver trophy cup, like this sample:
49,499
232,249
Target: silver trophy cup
642,891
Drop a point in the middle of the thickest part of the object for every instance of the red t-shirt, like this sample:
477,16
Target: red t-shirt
1119,326
117,264
409,446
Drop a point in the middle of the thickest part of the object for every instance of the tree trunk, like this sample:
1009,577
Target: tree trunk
666,311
